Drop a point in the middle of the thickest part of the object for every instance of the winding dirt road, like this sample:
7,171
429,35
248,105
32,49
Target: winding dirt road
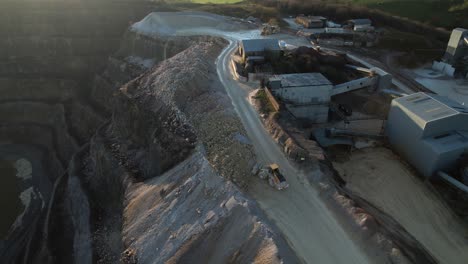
299,213
309,227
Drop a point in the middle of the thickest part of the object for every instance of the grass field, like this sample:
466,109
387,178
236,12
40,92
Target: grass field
443,13
235,8
216,1
438,13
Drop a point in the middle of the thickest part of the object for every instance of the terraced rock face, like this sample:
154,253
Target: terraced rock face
154,173
130,162
50,52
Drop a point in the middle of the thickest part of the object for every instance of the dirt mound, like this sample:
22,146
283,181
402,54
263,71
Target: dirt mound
188,84
152,175
170,23
190,214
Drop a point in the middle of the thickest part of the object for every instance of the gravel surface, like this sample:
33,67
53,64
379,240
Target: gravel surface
378,176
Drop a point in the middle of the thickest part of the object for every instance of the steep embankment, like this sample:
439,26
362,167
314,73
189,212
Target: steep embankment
154,195
49,52
134,174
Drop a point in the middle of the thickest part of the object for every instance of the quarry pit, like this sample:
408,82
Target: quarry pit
102,160
132,142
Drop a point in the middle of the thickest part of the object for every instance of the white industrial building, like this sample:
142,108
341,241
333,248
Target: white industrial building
360,25
430,131
308,95
455,56
457,46
297,87
359,22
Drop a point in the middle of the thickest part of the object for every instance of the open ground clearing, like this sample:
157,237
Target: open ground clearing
111,203
381,178
299,212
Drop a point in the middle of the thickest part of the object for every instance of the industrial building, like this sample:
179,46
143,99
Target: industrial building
455,60
256,49
457,47
428,130
308,95
356,32
359,22
305,95
311,21
342,38
360,25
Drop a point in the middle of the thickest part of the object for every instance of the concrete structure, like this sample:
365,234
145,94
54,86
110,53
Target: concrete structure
311,21
363,28
384,78
297,87
370,81
358,36
258,48
355,25
455,60
457,47
338,30
305,95
331,24
378,78
359,22
308,95
444,68
430,131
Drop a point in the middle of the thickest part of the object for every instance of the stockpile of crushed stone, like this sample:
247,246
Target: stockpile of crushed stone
188,83
180,154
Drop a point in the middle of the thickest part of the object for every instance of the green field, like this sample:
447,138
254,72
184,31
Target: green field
216,1
445,13
438,13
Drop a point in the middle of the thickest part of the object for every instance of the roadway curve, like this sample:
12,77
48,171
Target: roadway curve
308,226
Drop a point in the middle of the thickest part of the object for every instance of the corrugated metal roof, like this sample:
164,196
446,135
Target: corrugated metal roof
430,107
312,18
256,45
447,142
302,79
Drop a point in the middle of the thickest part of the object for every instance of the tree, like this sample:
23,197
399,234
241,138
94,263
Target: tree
460,7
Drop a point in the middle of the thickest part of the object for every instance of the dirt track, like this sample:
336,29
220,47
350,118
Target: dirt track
379,177
310,228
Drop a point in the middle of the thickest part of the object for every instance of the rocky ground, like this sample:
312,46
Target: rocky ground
148,159
159,173
146,162
195,91
165,222
380,177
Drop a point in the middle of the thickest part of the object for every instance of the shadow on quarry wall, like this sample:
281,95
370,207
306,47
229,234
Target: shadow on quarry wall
65,79
50,53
